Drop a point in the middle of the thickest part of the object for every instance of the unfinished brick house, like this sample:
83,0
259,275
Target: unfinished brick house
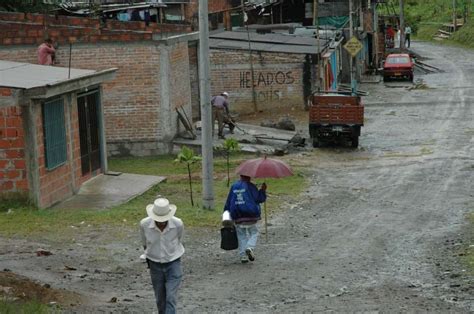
51,130
153,76
281,72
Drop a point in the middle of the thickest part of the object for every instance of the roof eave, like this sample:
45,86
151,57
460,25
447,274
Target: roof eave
78,83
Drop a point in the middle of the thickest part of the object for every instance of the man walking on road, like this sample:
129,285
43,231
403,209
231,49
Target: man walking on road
243,203
46,53
161,235
220,112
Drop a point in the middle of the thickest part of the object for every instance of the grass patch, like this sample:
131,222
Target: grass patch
469,257
61,224
427,31
465,36
8,307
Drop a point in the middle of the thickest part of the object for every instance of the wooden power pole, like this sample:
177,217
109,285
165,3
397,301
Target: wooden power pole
402,26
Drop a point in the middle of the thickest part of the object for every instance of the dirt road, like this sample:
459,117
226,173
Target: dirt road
379,228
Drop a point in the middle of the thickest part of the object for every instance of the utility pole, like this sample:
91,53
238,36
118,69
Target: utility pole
454,15
206,110
252,72
351,63
318,38
402,26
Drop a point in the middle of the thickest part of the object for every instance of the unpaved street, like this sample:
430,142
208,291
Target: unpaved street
378,229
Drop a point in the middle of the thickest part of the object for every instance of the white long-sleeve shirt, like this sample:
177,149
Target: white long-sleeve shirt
162,246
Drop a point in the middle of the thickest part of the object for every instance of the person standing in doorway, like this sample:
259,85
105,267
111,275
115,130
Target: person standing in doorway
243,203
407,36
46,52
220,112
161,235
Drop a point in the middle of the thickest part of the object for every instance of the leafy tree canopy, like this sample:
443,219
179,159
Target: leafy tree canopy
28,6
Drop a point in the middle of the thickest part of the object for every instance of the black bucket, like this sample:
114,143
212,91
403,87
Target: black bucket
229,239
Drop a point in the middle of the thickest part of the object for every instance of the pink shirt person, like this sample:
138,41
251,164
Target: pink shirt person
46,53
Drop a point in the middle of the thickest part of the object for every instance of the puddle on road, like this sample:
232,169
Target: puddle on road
423,152
469,131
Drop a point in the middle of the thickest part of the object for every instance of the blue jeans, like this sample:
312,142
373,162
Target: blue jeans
247,236
166,278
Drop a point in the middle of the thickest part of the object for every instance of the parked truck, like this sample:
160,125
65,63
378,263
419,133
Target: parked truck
335,118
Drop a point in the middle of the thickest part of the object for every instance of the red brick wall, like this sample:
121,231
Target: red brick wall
59,183
214,6
132,101
13,176
28,29
278,79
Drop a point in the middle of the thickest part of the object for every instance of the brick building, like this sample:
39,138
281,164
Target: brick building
51,130
283,70
153,76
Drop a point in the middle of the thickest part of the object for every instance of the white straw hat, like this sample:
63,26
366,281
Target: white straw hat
161,210
225,94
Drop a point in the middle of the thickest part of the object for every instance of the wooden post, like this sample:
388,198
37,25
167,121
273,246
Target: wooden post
266,221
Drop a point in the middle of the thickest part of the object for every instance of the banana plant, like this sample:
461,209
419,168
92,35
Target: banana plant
188,157
229,146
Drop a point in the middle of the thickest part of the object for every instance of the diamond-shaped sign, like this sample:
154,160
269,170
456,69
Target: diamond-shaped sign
353,46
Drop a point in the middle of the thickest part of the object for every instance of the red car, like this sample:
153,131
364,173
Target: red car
398,65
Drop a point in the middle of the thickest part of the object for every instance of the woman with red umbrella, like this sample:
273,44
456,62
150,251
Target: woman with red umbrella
243,203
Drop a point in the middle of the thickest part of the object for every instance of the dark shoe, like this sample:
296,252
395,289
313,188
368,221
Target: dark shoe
250,254
222,137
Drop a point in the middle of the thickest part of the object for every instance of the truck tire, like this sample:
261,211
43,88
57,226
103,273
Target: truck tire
355,141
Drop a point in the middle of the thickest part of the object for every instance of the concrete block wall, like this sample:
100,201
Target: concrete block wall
13,175
278,79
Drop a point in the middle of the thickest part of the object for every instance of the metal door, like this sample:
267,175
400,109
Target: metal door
87,107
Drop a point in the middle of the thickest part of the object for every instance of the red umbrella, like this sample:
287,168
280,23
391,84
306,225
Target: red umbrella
264,168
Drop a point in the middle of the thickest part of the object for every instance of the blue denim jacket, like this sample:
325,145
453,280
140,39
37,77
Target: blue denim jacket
243,201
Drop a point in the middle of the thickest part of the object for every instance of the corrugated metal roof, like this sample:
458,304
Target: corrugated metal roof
267,38
240,45
267,42
26,75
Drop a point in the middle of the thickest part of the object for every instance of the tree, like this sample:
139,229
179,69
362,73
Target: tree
187,156
27,6
229,146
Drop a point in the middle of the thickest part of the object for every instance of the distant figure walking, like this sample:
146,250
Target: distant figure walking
390,37
407,36
161,235
220,112
46,53
243,203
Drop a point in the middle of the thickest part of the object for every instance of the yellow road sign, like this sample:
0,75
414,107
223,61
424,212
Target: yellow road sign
353,46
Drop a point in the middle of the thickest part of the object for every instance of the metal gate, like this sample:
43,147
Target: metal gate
87,107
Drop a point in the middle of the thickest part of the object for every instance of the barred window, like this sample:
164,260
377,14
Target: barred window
54,133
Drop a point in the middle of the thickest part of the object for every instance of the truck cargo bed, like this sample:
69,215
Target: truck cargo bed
335,118
336,114
336,110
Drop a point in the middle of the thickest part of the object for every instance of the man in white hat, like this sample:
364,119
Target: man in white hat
220,112
161,235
